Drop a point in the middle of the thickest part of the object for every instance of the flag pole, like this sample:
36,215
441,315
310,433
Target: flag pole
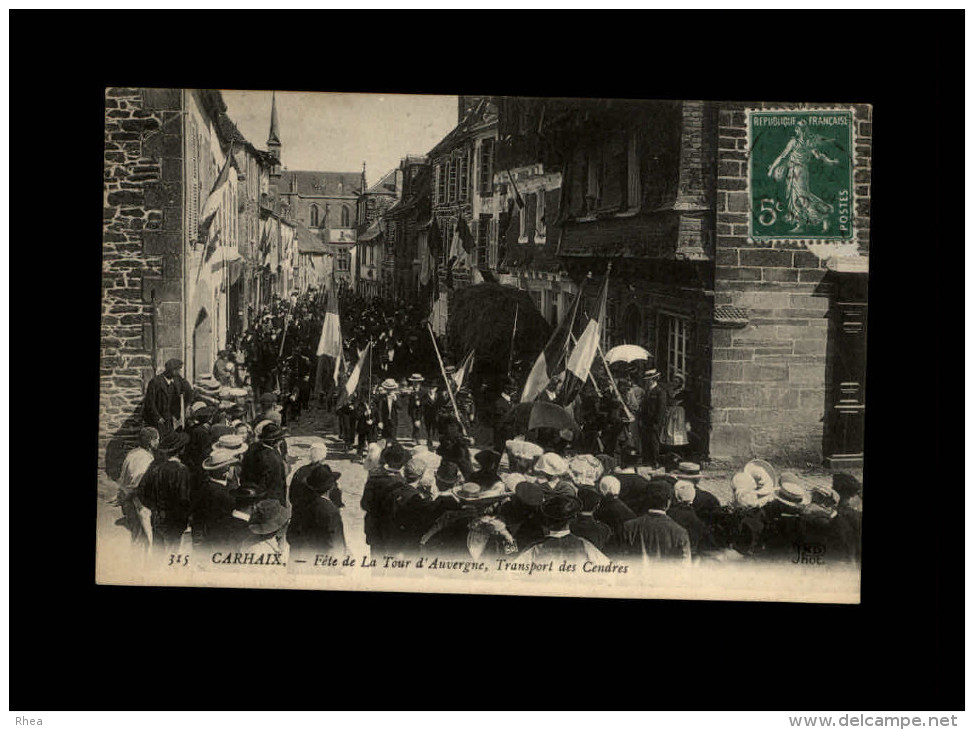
590,376
510,358
446,382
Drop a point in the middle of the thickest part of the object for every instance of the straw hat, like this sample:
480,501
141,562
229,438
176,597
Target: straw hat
220,459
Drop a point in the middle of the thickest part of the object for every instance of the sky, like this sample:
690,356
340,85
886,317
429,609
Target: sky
338,132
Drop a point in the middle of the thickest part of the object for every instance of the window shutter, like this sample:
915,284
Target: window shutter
578,184
614,177
463,193
632,171
530,214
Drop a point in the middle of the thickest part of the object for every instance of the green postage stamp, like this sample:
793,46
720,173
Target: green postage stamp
801,185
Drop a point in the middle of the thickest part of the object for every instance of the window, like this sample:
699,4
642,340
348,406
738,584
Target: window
536,298
446,226
440,183
676,330
343,260
345,216
483,239
314,215
539,223
452,184
463,176
632,171
611,314
486,177
341,187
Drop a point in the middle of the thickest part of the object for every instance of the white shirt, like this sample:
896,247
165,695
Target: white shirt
136,463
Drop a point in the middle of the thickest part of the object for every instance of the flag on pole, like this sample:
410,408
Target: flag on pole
460,376
351,384
215,198
552,358
580,361
330,342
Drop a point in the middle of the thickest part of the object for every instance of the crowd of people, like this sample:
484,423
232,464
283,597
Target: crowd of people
622,485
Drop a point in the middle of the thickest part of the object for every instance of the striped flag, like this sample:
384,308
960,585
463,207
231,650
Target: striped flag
580,361
330,342
351,384
551,360
460,376
215,198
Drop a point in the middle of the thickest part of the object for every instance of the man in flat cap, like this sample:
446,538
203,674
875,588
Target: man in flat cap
167,397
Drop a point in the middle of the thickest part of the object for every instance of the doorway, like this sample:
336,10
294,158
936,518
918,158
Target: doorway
202,345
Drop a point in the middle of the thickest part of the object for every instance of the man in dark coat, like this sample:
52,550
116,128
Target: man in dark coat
613,512
559,543
161,405
415,405
652,411
365,425
238,533
633,486
429,404
165,491
681,511
200,442
376,497
654,536
387,409
263,464
346,423
316,523
502,419
586,525
413,511
211,506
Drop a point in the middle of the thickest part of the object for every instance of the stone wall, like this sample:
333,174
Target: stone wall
769,379
141,324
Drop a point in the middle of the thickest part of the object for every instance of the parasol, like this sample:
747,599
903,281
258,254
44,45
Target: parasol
541,414
627,354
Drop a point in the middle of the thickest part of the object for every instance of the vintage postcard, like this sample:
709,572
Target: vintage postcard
482,344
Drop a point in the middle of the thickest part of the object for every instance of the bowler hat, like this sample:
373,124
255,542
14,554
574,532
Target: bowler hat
560,508
220,459
173,442
489,460
448,473
590,499
268,399
322,478
394,456
269,516
174,363
846,485
271,433
565,488
530,493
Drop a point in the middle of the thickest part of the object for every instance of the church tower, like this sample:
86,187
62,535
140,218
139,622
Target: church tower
274,139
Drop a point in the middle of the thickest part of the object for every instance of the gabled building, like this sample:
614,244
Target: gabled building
324,202
462,185
371,206
407,226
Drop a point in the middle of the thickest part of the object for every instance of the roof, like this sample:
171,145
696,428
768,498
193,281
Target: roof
307,241
386,185
315,182
275,135
372,232
485,112
728,316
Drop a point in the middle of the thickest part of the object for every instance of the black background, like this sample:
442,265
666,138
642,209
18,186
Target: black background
75,645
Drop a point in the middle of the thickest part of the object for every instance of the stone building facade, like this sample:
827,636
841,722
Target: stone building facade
173,287
790,383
